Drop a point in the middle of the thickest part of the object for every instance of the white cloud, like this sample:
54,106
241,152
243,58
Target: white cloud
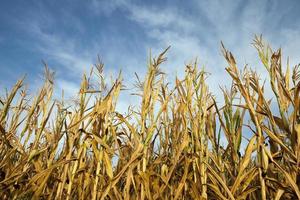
191,36
233,22
159,17
106,7
62,50
70,88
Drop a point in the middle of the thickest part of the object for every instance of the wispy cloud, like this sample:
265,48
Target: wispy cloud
233,22
122,32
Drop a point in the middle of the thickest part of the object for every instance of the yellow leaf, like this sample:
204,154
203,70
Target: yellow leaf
109,170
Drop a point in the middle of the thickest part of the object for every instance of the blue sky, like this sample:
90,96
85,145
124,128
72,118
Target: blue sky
69,35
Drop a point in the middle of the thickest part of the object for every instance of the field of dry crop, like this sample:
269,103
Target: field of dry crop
169,147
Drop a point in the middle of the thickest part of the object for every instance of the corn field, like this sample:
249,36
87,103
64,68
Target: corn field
177,144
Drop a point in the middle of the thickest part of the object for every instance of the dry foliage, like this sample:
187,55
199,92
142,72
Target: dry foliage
168,148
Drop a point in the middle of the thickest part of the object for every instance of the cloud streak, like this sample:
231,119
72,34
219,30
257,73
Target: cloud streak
123,31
